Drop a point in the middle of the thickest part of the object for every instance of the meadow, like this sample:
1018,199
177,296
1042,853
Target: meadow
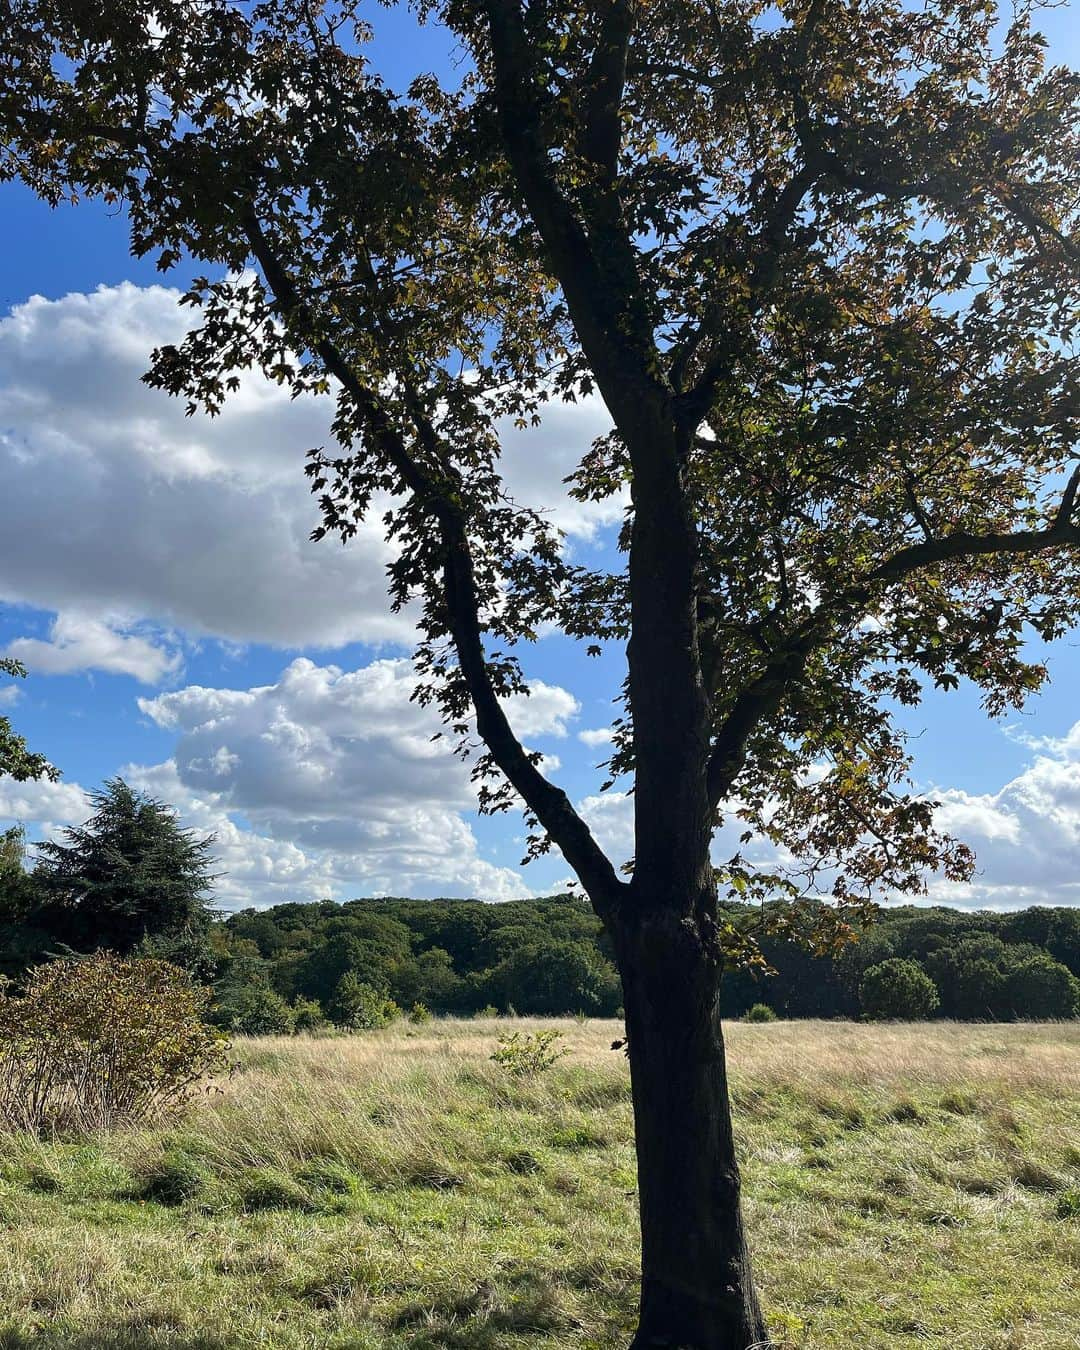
396,1190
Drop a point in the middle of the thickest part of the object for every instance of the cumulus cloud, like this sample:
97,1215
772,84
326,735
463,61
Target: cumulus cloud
342,766
49,806
596,736
1026,836
77,643
114,502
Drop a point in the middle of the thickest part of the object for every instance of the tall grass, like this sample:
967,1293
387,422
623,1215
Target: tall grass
396,1190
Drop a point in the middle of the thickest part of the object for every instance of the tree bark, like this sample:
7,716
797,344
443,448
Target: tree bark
697,1290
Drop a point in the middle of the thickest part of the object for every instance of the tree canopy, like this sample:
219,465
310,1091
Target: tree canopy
128,876
819,262
818,259
17,760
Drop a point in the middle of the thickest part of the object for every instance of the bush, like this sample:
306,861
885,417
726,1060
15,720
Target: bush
307,1014
254,1010
95,1043
898,989
760,1012
419,1013
527,1053
359,1006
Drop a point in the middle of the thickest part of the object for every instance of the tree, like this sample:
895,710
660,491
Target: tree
899,989
817,260
16,759
359,1006
1039,987
128,877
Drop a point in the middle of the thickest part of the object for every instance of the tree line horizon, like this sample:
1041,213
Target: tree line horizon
132,880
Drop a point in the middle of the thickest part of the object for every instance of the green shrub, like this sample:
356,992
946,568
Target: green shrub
359,1006
419,1013
525,1053
99,1042
760,1012
307,1014
899,990
254,1010
487,1013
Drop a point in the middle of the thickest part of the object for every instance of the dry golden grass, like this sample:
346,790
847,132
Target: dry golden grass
906,1185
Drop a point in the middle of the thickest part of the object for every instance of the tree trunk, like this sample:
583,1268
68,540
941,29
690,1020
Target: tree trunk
697,1290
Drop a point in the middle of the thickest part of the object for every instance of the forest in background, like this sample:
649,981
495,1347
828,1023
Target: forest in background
550,956
130,880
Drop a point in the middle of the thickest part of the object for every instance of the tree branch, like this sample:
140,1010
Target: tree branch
764,695
549,804
600,282
604,83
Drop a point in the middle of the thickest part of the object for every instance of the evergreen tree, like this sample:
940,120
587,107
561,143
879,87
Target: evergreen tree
127,877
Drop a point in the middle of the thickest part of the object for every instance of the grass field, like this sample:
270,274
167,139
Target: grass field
907,1185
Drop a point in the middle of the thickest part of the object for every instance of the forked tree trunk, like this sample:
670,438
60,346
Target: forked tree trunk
697,1290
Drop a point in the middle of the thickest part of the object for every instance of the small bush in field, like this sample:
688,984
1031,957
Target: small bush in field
898,990
254,1010
95,1043
419,1013
760,1012
486,1014
530,1052
307,1014
360,1007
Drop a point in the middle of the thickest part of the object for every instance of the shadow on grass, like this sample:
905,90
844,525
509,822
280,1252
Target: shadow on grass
482,1319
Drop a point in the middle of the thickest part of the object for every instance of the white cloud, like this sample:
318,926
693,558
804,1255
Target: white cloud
342,768
544,711
48,805
1026,836
596,736
79,643
114,502
9,695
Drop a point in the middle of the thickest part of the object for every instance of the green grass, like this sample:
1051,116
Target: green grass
905,1186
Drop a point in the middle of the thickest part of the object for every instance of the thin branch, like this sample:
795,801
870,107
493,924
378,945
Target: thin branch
764,695
549,804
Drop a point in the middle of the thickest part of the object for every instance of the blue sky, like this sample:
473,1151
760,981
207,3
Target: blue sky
156,579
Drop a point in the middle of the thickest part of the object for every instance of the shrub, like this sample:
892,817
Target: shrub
760,1012
527,1053
254,1010
898,989
359,1006
99,1042
487,1014
307,1014
419,1013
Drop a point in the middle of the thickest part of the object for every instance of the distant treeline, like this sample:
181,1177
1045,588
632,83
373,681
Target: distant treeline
132,881
551,957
